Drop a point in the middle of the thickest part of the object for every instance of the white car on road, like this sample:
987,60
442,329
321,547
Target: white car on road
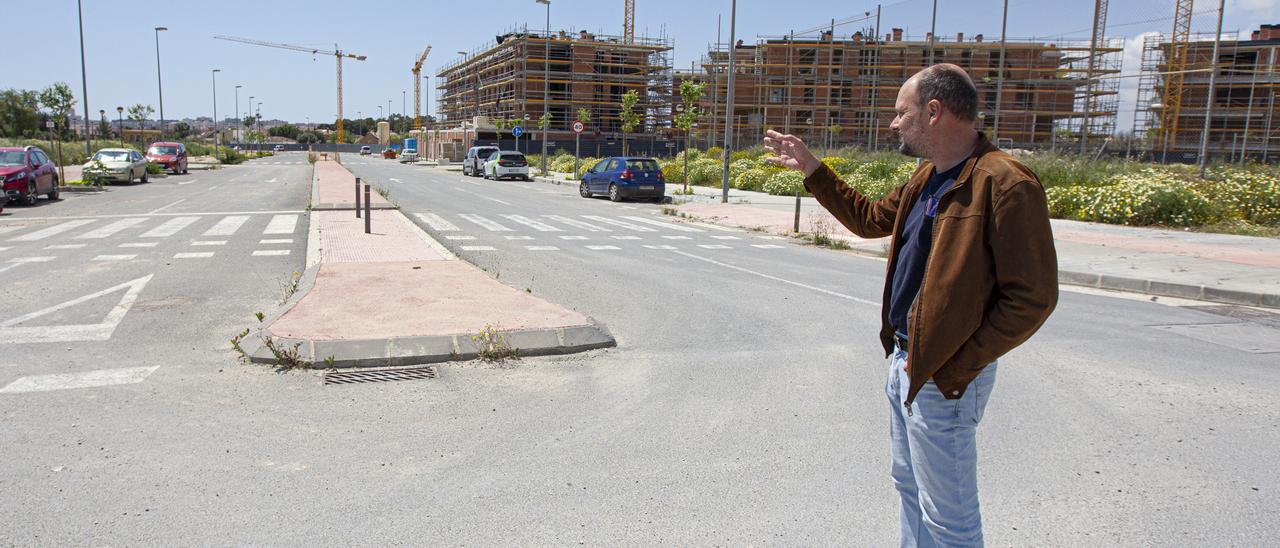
119,165
506,164
409,155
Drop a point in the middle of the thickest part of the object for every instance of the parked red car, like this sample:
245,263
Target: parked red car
171,157
27,173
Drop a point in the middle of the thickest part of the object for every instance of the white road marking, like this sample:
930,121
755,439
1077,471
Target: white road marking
519,237
199,255
394,180
170,227
111,229
273,180
277,241
713,227
602,247
777,279
115,257
726,237
768,246
87,379
140,244
60,246
677,237
542,248
577,224
4,229
495,200
665,247
282,224
123,215
227,226
662,224
211,188
270,252
210,242
31,259
162,208
484,223
539,226
622,224
436,222
51,231
188,182
714,246
626,237
478,248
460,238
573,238
10,333
10,266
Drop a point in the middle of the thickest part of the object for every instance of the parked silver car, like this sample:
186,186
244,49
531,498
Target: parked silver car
118,165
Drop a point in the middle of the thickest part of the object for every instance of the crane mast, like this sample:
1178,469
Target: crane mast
629,21
338,54
417,89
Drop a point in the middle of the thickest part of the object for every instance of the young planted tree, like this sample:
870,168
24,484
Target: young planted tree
690,93
835,130
628,116
59,100
584,116
544,122
139,113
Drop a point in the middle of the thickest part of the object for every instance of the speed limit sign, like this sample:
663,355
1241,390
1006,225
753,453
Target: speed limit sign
578,126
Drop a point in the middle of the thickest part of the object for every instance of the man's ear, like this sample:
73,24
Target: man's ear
935,111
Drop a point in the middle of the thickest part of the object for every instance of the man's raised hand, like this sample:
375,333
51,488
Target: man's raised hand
790,152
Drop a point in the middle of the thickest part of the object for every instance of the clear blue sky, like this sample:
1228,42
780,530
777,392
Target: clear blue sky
122,68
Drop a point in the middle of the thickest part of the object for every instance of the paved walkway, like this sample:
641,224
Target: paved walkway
1213,267
335,188
396,296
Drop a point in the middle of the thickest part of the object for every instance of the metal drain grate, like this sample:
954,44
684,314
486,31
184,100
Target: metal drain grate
381,375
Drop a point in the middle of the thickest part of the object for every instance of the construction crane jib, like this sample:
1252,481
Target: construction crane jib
336,53
417,89
629,21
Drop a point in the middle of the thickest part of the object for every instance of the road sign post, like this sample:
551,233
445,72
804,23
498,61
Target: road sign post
578,126
517,132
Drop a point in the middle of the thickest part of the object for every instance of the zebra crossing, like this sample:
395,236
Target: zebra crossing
561,232
122,239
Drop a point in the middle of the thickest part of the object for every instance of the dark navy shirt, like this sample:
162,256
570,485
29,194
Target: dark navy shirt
916,241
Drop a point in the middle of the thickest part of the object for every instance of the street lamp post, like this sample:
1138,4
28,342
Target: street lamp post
728,104
102,116
257,119
159,82
216,136
84,83
238,120
120,124
546,84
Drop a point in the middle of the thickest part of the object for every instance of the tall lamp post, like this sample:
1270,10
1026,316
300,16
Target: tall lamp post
249,113
102,115
464,122
216,136
120,124
238,120
84,84
159,82
546,83
728,104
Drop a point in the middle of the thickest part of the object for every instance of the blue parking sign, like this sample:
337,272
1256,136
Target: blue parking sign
517,131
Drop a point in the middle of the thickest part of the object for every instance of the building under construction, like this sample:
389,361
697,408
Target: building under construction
841,91
502,84
1173,96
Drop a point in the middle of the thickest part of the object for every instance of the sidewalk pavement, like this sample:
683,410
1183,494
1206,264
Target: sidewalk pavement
1221,268
397,297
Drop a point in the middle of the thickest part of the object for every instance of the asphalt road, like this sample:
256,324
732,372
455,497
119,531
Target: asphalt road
744,403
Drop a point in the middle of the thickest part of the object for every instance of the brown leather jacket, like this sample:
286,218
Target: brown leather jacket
991,279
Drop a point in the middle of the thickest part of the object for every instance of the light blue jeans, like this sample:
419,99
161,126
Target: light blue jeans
935,459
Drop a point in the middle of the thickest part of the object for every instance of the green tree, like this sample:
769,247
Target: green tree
308,137
19,113
628,116
59,100
139,113
584,115
690,93
835,130
104,128
181,130
288,131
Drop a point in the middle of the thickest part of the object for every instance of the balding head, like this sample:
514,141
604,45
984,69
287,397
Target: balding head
951,86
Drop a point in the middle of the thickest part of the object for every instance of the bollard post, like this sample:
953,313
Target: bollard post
357,197
368,216
796,228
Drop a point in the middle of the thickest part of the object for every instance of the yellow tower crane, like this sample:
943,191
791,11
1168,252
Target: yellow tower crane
417,89
629,21
1176,66
337,54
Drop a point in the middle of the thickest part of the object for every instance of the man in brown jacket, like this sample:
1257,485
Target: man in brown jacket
972,274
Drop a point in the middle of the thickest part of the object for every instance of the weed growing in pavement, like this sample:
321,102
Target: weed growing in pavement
259,315
493,347
235,344
289,287
286,357
821,234
669,210
328,362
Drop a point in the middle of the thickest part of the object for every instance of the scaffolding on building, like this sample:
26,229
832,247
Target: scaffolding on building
837,92
1247,84
503,81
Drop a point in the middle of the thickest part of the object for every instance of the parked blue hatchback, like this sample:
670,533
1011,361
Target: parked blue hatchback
622,177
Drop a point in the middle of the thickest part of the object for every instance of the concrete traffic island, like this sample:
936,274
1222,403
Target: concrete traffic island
395,296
